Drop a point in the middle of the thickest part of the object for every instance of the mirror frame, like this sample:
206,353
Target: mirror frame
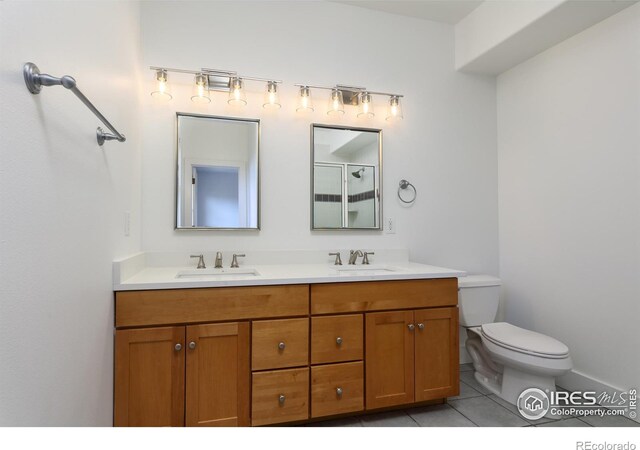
379,193
177,185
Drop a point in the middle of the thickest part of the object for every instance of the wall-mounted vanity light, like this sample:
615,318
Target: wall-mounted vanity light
395,108
359,97
336,103
207,80
237,95
304,102
366,105
162,91
200,89
271,98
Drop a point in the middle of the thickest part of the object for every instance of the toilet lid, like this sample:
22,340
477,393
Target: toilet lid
524,341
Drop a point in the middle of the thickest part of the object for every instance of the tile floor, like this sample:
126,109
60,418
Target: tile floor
474,407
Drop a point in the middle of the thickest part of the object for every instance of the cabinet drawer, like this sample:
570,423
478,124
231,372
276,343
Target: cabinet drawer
184,306
280,343
336,338
337,389
280,396
332,298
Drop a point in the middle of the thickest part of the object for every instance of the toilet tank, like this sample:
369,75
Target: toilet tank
478,299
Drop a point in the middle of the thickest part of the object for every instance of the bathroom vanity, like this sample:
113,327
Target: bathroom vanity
257,350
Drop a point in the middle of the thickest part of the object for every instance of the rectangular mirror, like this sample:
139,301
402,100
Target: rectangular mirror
346,173
218,173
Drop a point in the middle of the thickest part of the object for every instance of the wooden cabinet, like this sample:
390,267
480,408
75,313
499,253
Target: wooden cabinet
390,359
280,396
150,367
239,356
218,375
437,362
280,343
149,377
411,356
337,389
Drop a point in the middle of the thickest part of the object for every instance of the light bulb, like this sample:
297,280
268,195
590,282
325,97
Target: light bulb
304,103
366,105
395,109
237,95
200,89
336,103
162,91
271,99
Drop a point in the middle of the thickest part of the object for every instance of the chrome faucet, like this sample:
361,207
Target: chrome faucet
353,256
200,261
338,261
234,260
365,259
218,263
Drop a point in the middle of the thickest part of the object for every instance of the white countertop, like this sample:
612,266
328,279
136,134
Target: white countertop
133,275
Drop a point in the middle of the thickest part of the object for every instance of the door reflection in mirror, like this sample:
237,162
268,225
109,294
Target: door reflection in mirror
218,165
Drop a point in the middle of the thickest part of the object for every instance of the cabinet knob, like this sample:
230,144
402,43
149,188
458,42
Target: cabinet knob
178,347
192,345
339,340
281,399
281,345
339,392
420,326
411,327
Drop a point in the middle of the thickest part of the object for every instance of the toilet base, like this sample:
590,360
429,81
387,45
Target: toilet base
515,381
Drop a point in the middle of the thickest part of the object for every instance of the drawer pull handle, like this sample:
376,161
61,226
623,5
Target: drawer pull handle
178,347
420,326
281,399
339,340
281,345
192,345
411,327
339,392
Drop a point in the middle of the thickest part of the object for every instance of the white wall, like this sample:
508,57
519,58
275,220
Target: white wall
446,146
493,22
569,193
63,200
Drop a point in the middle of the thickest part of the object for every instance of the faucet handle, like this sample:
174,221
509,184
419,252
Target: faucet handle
338,261
200,261
218,262
365,259
234,260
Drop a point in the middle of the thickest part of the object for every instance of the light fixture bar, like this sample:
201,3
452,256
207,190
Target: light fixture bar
218,79
349,88
168,69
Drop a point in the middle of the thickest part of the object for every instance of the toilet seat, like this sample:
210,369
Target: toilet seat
524,341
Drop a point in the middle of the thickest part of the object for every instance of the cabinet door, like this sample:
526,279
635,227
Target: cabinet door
149,377
389,359
218,375
437,369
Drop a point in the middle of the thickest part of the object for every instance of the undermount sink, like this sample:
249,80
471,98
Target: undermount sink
363,269
217,273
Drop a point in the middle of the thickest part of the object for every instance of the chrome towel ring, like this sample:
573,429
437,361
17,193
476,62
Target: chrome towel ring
404,185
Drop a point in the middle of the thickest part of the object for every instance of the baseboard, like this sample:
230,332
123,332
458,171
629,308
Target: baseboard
578,381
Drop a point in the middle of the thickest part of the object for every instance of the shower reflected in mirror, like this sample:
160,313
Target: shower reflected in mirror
346,171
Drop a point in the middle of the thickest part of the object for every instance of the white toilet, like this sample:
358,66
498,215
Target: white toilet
507,359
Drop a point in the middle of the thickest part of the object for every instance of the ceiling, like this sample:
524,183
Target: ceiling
448,11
